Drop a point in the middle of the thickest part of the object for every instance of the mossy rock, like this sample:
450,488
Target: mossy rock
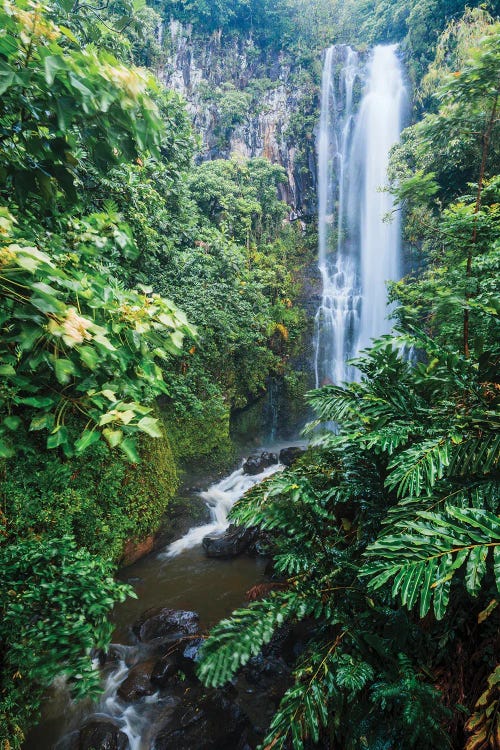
99,497
200,438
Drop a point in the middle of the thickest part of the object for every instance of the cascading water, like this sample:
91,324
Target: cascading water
220,498
359,251
337,316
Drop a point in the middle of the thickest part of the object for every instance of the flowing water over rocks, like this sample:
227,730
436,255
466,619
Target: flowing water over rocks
152,698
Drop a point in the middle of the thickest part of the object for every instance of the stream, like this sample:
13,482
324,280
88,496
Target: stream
180,577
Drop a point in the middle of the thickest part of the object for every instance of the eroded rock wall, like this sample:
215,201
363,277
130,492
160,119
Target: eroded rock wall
247,102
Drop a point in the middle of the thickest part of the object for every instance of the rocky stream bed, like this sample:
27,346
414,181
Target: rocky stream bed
152,698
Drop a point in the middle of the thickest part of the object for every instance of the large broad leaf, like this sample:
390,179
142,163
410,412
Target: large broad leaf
57,438
64,369
88,438
53,64
151,426
7,77
129,447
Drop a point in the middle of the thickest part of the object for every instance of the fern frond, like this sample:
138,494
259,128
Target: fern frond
234,641
416,469
422,559
476,455
332,403
304,709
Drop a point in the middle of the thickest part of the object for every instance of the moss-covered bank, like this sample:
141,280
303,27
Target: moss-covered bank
98,497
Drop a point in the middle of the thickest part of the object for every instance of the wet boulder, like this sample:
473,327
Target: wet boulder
206,722
189,657
102,734
165,670
161,624
231,543
291,454
257,464
138,683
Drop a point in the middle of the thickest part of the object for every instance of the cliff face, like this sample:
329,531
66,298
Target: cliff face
247,102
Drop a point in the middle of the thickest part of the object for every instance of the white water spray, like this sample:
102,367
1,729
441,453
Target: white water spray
358,251
220,498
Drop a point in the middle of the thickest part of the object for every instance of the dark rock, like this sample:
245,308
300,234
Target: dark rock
114,654
102,734
256,464
189,657
291,454
100,655
207,722
138,683
164,670
232,543
162,624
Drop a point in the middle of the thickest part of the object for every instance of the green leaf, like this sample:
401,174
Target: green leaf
426,591
6,450
7,77
476,568
39,402
129,447
57,438
12,422
151,426
442,590
89,357
64,369
41,422
89,437
113,437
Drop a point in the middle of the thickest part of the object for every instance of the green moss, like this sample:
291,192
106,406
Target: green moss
201,436
98,497
149,486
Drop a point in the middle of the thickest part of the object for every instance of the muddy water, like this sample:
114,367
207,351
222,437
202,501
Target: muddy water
179,577
190,581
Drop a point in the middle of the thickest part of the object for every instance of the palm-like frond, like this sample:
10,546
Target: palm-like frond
424,556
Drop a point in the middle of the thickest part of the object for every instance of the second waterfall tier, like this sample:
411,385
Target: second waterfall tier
362,112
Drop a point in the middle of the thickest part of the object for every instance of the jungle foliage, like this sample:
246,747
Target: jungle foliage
385,536
105,234
115,249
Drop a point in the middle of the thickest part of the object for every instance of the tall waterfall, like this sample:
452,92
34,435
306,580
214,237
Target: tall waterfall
359,251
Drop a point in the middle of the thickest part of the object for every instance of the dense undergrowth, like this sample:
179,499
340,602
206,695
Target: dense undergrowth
386,535
107,230
143,299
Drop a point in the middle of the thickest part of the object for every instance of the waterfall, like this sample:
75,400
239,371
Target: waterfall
359,251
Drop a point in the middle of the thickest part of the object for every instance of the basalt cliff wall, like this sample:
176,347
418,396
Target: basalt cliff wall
249,102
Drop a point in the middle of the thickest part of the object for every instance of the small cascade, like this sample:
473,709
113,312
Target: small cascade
132,720
220,498
358,251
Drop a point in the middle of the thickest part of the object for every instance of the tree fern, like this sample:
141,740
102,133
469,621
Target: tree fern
234,641
327,678
398,504
416,469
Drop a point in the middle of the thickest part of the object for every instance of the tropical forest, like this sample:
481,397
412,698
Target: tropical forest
249,375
